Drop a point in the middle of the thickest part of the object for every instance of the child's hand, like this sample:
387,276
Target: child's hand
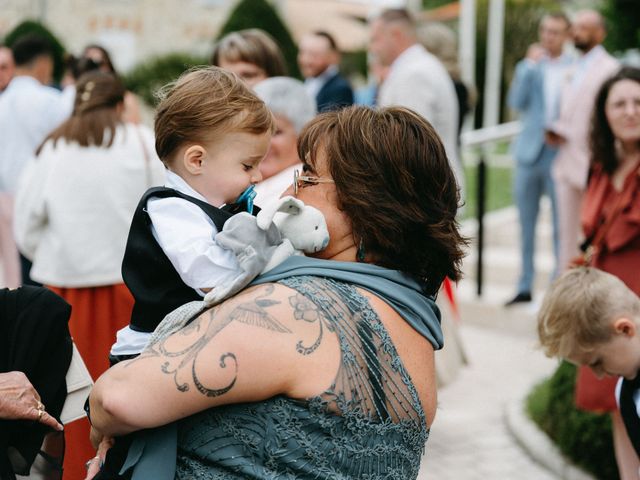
104,444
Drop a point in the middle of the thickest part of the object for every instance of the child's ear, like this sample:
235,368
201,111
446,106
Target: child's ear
625,326
193,157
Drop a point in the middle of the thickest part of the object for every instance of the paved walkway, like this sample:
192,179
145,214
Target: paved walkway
470,439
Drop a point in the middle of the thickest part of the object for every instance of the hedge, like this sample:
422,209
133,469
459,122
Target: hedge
33,27
585,438
148,77
260,14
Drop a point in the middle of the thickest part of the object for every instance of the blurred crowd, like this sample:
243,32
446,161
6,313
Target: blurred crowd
75,160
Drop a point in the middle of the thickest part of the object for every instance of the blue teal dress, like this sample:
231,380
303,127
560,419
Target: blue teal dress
369,425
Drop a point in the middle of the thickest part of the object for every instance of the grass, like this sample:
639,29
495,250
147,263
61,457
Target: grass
498,189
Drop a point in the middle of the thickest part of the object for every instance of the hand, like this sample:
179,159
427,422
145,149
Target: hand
553,139
20,401
94,465
535,52
96,437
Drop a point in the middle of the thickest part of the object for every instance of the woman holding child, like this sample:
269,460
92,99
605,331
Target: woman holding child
611,219
324,368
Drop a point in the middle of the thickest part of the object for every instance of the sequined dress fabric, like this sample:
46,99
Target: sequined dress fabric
368,425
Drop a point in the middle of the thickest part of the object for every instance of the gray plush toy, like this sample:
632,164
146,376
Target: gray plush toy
284,228
287,227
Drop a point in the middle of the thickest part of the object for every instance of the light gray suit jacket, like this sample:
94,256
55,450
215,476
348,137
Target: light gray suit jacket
419,81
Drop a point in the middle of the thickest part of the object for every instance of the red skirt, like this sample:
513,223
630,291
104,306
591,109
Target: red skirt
97,313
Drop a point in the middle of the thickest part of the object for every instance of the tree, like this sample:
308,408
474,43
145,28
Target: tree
624,24
260,14
428,4
148,77
520,30
33,27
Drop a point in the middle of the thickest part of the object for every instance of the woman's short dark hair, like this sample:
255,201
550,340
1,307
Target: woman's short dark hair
106,58
395,183
602,140
95,114
253,46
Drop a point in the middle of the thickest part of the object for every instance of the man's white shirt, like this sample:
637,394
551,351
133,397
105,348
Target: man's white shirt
29,111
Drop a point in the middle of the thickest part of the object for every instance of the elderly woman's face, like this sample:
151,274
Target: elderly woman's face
283,152
622,109
323,196
249,73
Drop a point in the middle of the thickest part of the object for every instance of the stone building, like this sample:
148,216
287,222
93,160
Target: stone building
130,29
133,30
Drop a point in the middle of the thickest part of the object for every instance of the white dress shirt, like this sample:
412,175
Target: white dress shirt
555,72
29,111
186,235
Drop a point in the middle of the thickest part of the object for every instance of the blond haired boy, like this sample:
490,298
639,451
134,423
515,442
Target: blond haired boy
590,317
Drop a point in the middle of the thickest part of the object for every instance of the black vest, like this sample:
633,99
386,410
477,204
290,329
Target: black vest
629,411
156,286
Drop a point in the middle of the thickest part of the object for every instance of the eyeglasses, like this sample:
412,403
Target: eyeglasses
301,181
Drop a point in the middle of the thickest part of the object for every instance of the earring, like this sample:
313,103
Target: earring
360,253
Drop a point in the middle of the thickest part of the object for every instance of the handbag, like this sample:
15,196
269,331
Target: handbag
79,383
591,246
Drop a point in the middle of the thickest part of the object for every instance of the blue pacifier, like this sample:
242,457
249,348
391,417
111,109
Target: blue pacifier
247,197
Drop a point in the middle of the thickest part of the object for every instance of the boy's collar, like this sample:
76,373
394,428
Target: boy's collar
175,181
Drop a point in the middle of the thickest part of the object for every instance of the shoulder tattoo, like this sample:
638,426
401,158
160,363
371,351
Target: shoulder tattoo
253,310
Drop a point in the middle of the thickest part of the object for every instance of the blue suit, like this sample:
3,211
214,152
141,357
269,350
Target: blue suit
335,93
533,162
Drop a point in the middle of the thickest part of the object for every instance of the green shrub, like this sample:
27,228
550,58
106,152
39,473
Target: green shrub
624,24
147,77
354,63
33,27
260,14
583,437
